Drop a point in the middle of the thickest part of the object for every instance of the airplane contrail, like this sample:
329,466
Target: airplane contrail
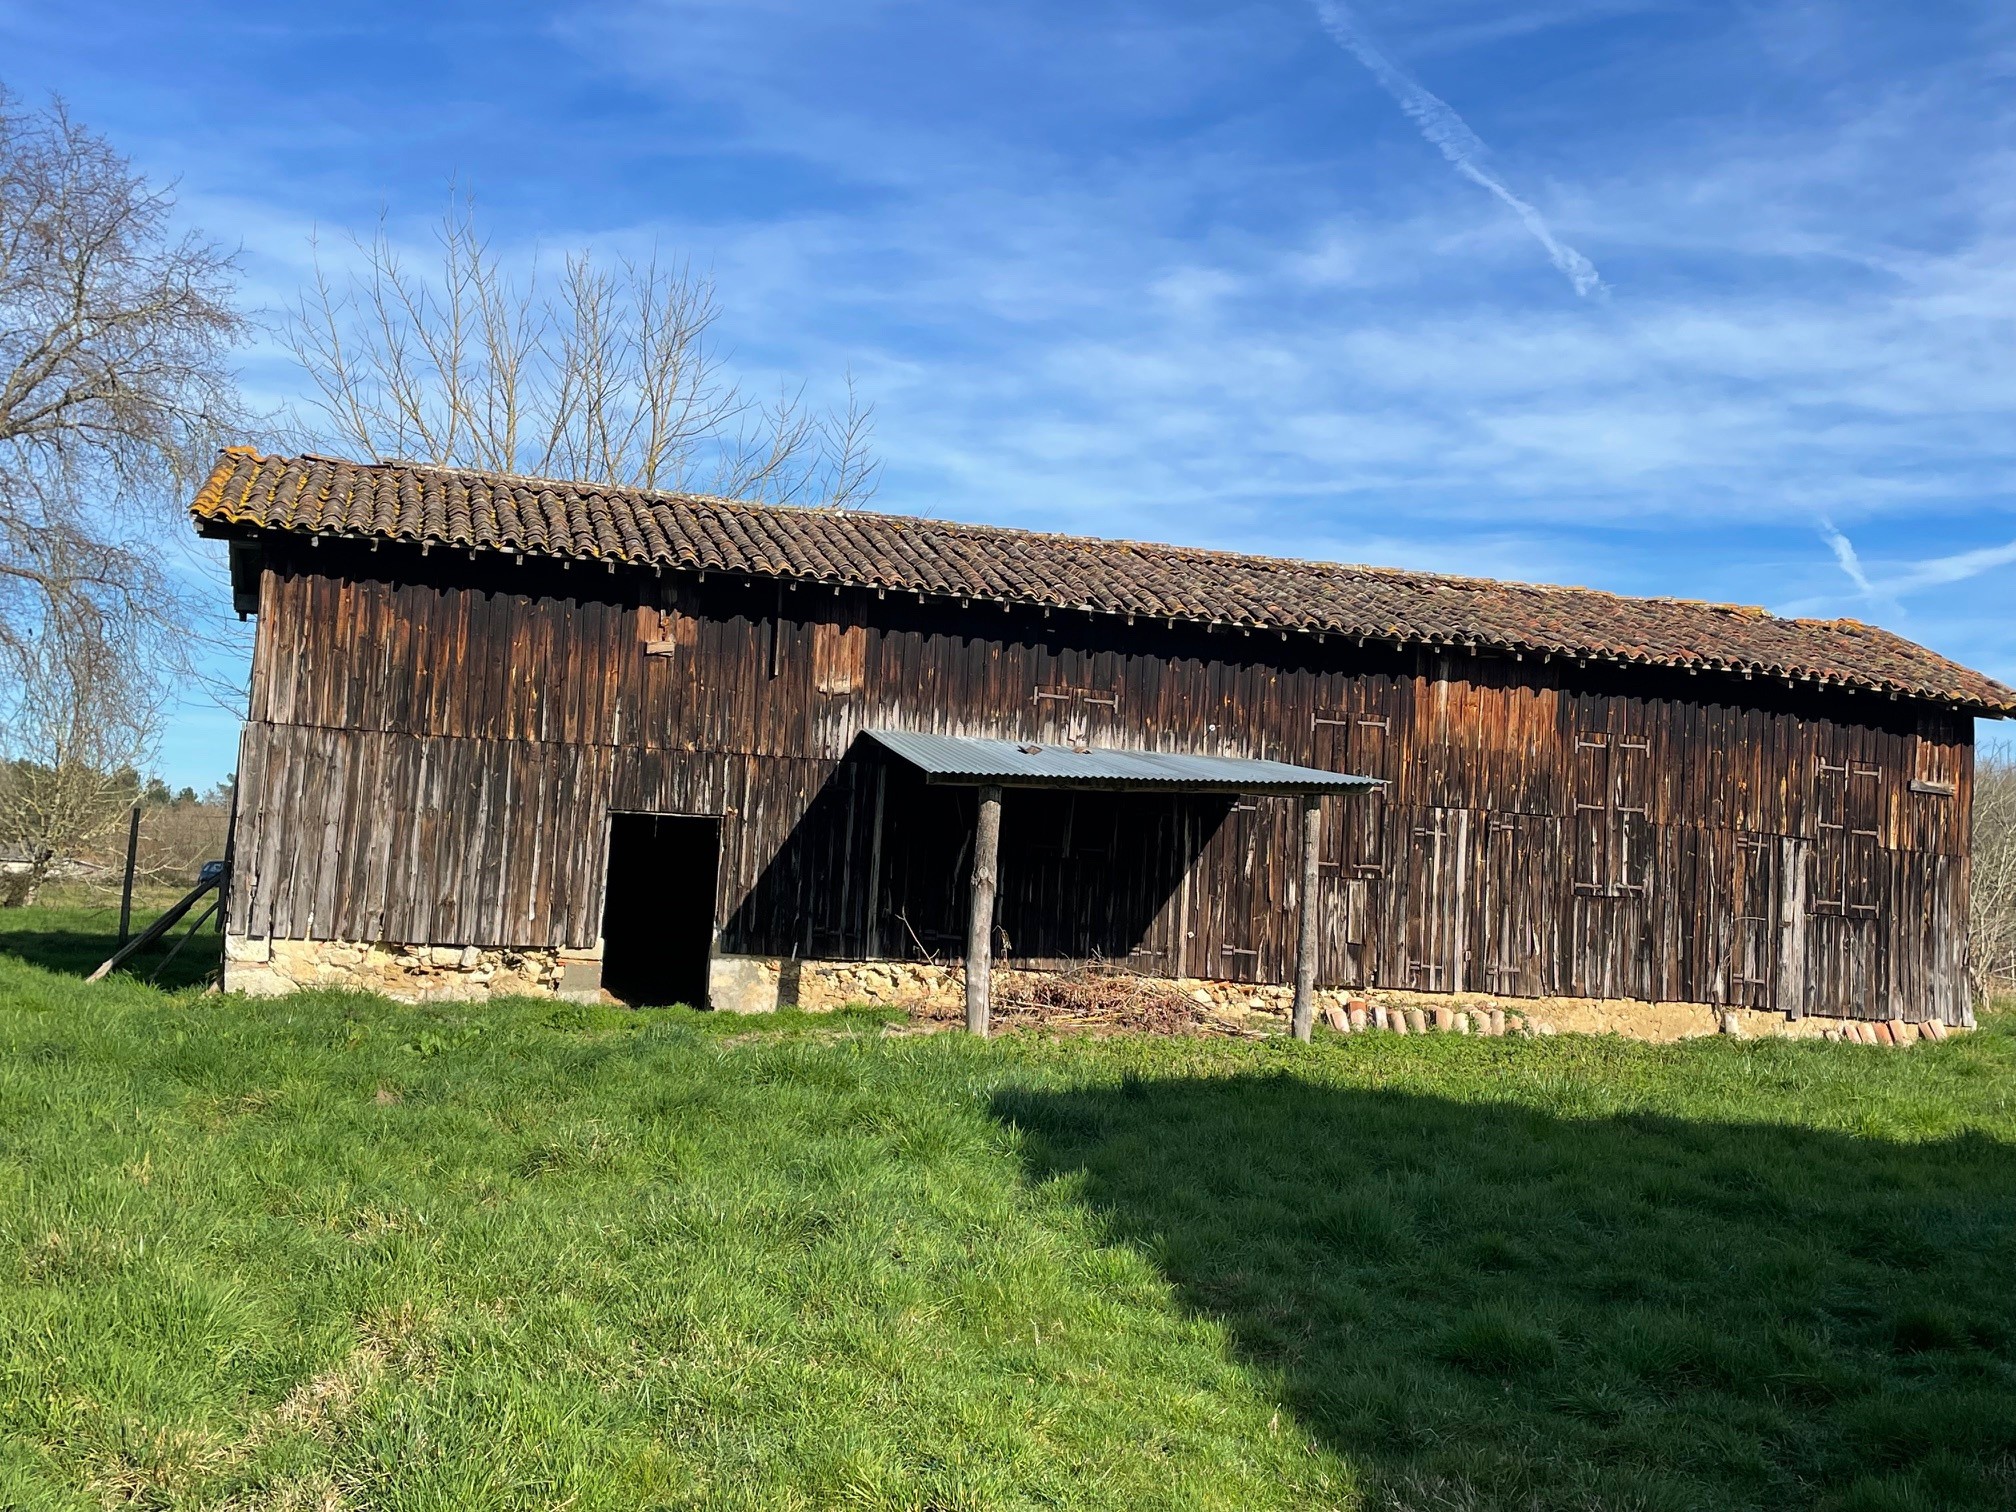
1845,554
1449,133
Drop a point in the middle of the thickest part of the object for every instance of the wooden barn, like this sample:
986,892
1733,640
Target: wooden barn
517,734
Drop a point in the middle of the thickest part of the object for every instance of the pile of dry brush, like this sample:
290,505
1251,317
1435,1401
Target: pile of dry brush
1092,998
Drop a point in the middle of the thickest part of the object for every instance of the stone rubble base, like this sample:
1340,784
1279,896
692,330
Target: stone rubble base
751,984
756,984
409,973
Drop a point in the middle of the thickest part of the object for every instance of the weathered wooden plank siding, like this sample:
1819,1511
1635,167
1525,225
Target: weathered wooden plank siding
434,747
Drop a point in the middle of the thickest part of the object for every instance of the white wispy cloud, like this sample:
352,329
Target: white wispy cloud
1944,571
1916,577
1451,135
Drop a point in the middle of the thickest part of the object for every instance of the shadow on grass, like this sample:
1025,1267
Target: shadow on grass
1486,1306
74,941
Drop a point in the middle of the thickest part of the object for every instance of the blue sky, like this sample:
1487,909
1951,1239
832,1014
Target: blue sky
1279,276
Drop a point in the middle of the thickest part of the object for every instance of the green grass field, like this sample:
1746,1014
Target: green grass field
331,1252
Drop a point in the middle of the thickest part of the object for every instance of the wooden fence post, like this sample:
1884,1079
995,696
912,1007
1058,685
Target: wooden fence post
980,921
1305,933
126,893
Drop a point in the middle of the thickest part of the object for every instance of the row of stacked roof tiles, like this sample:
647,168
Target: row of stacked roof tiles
584,521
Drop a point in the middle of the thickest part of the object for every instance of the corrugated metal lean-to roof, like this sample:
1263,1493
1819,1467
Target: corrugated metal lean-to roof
970,760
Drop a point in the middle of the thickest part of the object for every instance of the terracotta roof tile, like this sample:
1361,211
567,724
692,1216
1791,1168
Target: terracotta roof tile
541,516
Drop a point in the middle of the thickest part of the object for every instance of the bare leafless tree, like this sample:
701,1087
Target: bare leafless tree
77,719
175,839
115,385
115,381
1991,919
606,372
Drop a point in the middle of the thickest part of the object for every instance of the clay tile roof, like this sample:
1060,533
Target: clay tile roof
488,511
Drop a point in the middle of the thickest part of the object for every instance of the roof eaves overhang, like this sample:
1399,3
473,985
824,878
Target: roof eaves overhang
218,517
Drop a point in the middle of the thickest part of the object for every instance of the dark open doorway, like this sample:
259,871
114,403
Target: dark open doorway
658,912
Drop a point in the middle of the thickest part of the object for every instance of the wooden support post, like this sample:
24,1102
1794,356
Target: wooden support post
980,921
126,892
1305,933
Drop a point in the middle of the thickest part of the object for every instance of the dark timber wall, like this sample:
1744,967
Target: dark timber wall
434,747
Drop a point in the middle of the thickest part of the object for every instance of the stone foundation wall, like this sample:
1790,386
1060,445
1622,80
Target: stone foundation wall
755,984
752,984
410,973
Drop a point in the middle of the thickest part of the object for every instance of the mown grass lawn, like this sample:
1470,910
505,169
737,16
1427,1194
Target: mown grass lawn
332,1252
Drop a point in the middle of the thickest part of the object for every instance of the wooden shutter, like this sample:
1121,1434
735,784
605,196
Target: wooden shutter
839,657
1752,936
1863,814
1847,851
1630,815
1364,814
1590,835
1355,824
1827,891
1935,758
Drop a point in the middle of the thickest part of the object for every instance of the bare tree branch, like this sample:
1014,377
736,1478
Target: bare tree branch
114,333
1991,919
605,373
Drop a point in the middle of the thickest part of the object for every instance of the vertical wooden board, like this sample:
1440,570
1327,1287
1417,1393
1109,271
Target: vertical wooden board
258,688
507,649
596,659
1604,931
283,621
338,691
1793,977
349,859
401,923
1633,805
274,817
1231,953
573,892
249,907
365,909
499,794
1433,882
1512,916
496,790
1945,945
301,843
1665,949
1747,943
